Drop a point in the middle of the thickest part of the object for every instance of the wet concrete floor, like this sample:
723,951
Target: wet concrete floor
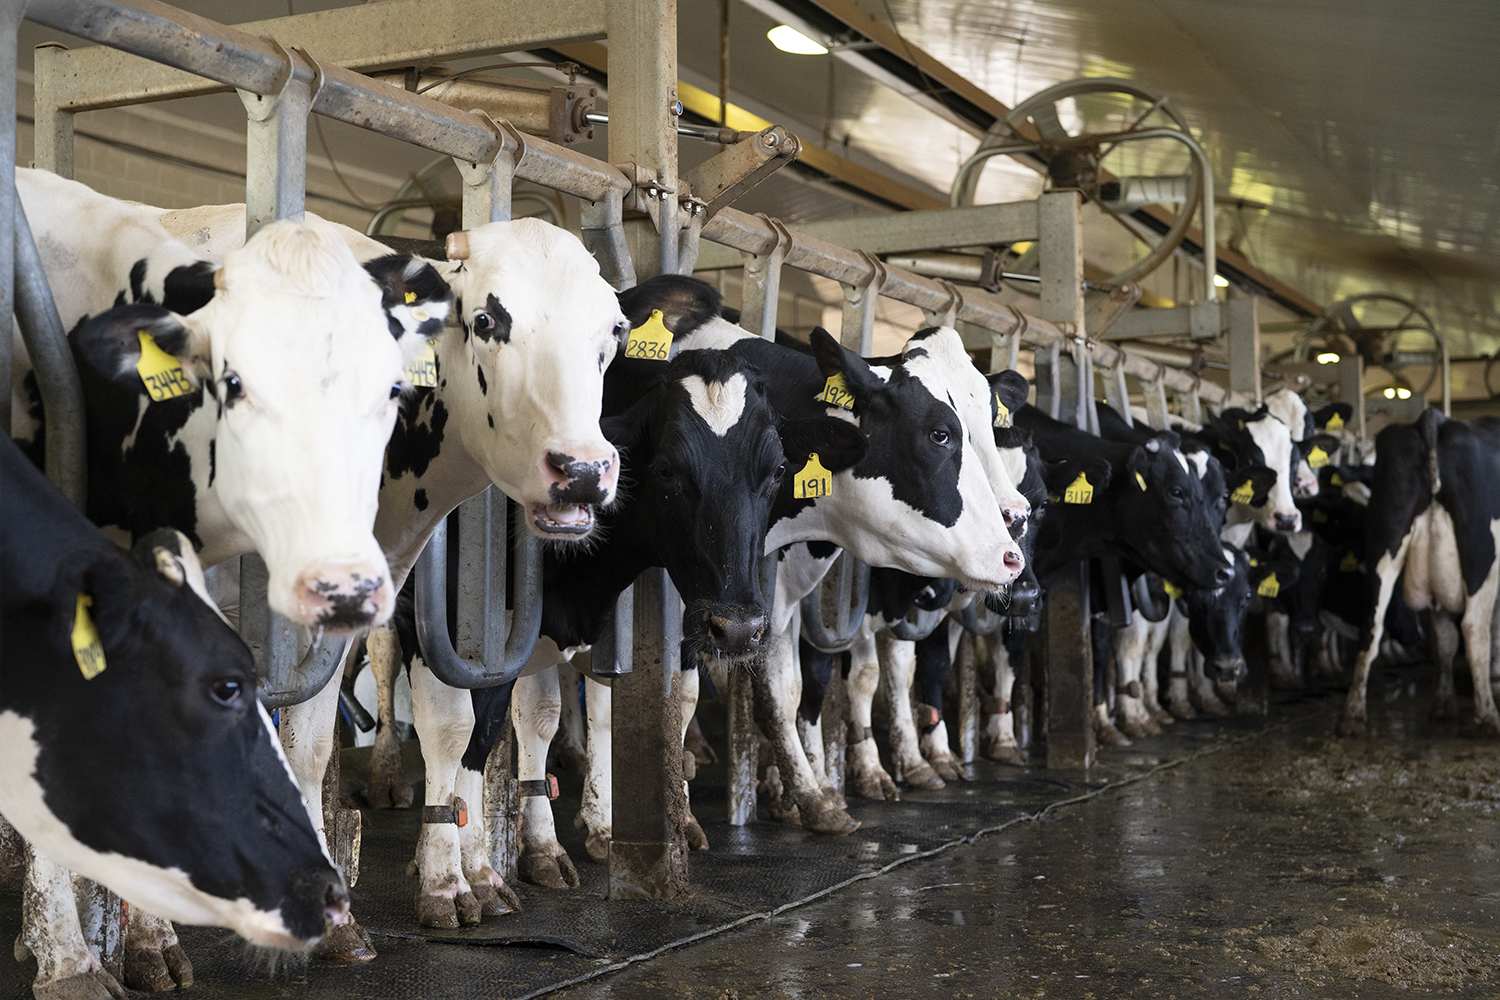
1259,861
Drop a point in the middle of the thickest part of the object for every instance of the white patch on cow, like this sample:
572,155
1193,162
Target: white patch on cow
168,892
1013,460
1200,462
1357,493
716,334
1288,407
1299,542
720,404
1434,577
1237,535
1182,461
1274,439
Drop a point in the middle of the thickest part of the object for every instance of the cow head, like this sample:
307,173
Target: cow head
1260,440
161,776
522,370
707,458
921,499
1025,466
298,368
1179,522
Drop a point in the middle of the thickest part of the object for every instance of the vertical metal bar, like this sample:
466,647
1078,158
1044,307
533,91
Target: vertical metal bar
1118,393
968,696
760,293
858,330
10,23
643,111
1244,345
1060,256
1191,407
276,147
54,126
1156,404
648,855
1069,656
742,747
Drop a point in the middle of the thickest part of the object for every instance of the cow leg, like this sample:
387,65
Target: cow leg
815,669
934,661
1444,648
1156,638
1181,655
1204,692
1131,643
778,689
1387,572
569,746
444,718
685,689
534,709
898,667
1284,675
154,959
999,721
866,778
50,931
598,803
1478,620
387,787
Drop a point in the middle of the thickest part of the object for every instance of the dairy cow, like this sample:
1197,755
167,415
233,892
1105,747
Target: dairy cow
132,747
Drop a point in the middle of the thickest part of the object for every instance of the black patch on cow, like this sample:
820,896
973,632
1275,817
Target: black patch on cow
419,499
484,387
400,275
418,435
822,550
213,460
189,287
499,330
138,291
490,417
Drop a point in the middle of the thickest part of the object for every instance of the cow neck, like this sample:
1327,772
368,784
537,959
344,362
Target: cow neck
579,591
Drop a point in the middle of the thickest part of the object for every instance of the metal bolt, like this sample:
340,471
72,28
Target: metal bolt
675,108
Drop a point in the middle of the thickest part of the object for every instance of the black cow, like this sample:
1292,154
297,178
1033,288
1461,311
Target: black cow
132,747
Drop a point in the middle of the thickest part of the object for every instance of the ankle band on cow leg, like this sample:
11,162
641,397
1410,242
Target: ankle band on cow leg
1133,689
927,718
859,735
457,813
540,787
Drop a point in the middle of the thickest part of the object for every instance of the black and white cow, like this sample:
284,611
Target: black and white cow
1432,525
132,748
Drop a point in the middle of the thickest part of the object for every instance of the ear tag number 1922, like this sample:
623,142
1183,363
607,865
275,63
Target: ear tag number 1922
836,393
651,341
162,375
86,647
422,369
813,481
1079,491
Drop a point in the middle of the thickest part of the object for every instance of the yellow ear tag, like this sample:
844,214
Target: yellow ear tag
651,341
1243,493
422,369
1268,587
1242,424
86,648
813,481
163,376
836,393
411,297
1335,423
1335,480
1079,491
1173,591
1348,564
1141,481
1254,561
1003,416
1317,458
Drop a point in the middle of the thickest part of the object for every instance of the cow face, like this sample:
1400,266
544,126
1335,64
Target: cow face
707,460
1216,621
921,499
1179,521
299,374
160,776
522,371
1260,440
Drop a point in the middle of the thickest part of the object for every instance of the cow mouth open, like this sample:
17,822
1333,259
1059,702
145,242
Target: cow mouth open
569,519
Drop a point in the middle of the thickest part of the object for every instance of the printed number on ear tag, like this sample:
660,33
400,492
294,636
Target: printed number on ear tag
86,648
1317,458
1269,587
813,481
1173,591
1335,423
1003,416
1079,491
422,369
411,297
1141,481
651,341
1243,493
836,393
162,375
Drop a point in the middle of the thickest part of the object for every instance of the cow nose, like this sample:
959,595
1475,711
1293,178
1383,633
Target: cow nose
1288,522
342,597
1023,598
579,479
735,635
1014,561
1013,512
1017,527
1223,576
335,901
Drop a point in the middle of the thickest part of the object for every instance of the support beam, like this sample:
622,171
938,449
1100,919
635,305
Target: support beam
1067,651
1243,322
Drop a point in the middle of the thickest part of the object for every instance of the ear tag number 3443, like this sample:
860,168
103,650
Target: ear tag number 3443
162,375
651,341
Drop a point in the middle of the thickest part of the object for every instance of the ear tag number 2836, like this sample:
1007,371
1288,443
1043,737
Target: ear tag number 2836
86,648
1003,416
813,481
651,341
162,375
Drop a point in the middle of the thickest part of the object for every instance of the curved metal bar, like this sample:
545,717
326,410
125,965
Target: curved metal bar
977,618
613,654
911,630
851,595
311,674
457,671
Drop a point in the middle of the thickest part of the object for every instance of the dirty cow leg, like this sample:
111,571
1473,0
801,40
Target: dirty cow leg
1284,676
1131,643
598,802
898,666
685,689
490,891
387,787
1445,647
1387,571
154,959
65,968
444,718
1181,656
999,737
1156,638
1478,620
866,777
534,709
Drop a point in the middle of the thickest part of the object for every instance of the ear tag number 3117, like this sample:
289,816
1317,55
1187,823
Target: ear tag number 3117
813,481
651,341
1079,491
162,375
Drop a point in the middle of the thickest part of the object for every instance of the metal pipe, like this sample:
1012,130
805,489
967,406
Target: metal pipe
10,24
852,588
708,133
911,629
311,674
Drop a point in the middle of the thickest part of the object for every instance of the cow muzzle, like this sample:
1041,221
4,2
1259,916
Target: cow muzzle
1288,523
342,597
1229,671
576,480
734,631
1025,598
318,901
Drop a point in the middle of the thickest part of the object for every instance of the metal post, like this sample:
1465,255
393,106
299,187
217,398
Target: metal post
1069,655
1117,393
860,300
743,758
1244,345
54,127
643,112
648,854
276,146
967,677
10,23
760,294
1156,404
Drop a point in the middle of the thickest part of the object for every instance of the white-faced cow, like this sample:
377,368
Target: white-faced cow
132,747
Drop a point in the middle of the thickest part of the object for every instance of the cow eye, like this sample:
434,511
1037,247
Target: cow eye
622,330
1176,493
395,390
662,468
780,470
233,388
484,322
939,437
226,691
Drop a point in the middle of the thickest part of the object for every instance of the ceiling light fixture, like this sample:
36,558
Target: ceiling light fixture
789,39
1328,358
1221,281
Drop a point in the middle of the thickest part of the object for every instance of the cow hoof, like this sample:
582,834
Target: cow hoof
948,769
469,910
821,817
1135,728
597,846
697,840
789,814
156,970
488,898
1012,755
547,871
348,942
878,786
1489,725
96,985
393,795
1446,708
1351,725
1183,710
1160,715
921,776
436,910
1108,735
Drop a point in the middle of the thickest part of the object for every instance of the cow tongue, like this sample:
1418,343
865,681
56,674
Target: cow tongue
569,513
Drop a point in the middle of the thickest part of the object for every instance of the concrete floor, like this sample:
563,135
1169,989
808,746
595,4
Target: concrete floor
1226,859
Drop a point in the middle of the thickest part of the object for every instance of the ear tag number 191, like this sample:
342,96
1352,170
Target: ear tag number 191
86,647
1317,458
651,341
813,481
1269,587
162,375
836,393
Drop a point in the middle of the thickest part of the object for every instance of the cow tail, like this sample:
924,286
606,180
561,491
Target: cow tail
1428,423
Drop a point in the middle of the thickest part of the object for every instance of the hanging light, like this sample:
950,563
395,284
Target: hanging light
1221,281
1328,358
1403,393
789,39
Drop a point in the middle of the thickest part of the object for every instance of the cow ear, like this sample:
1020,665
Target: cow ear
1008,389
1327,442
170,555
1341,411
1060,475
839,444
1259,479
685,303
835,359
415,298
111,344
